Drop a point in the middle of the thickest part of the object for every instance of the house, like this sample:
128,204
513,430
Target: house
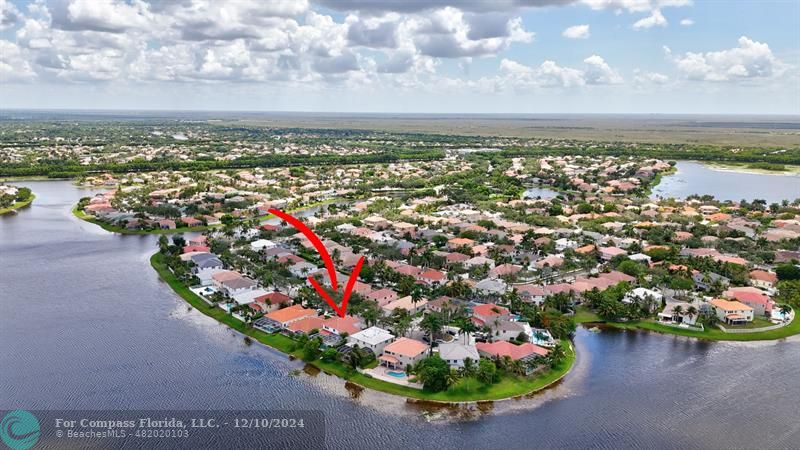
270,302
262,244
373,338
564,243
550,261
506,330
644,297
732,312
305,325
677,312
302,269
454,353
525,352
608,253
504,270
286,316
402,352
761,303
340,325
432,277
222,276
763,279
237,286
491,286
478,261
406,303
485,313
382,296
455,243
167,224
204,261
376,222
705,281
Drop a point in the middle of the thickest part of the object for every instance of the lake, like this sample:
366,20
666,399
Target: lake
697,178
86,323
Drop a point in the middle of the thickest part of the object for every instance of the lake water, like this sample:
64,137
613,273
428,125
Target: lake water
697,178
539,192
86,323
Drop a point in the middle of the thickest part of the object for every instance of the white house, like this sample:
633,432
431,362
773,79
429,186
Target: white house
564,243
454,353
373,338
262,244
642,295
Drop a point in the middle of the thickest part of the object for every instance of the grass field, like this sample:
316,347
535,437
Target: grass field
466,390
17,205
585,315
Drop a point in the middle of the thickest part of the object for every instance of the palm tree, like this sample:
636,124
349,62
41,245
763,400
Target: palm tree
676,312
691,311
469,368
432,323
785,310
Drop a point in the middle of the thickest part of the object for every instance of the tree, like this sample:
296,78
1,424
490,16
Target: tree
787,272
432,323
487,371
557,354
470,368
691,312
311,349
434,373
370,313
330,354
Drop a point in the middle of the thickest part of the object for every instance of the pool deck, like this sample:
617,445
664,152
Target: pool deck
380,373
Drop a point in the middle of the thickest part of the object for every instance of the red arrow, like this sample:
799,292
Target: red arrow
326,258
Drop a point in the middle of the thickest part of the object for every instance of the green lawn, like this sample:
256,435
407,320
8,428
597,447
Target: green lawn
17,205
585,315
466,390
117,229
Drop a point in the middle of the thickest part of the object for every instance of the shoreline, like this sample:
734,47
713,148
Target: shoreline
789,170
18,205
710,334
115,229
284,345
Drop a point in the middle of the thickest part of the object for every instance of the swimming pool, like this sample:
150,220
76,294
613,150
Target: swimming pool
395,374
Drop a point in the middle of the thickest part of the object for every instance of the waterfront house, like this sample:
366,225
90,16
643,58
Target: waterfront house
373,338
732,312
286,316
526,352
454,353
402,352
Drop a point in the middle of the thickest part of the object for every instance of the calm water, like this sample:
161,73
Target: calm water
539,192
696,178
85,323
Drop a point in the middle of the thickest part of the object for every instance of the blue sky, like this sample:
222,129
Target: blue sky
516,56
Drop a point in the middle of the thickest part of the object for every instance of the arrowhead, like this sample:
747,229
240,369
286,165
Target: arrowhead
341,311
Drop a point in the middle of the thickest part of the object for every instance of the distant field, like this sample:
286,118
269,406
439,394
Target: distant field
747,131
726,130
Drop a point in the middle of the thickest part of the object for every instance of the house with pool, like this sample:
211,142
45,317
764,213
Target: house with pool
402,352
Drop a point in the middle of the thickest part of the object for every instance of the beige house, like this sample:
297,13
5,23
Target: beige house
402,352
732,312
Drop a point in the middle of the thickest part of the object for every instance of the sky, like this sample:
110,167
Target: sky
408,56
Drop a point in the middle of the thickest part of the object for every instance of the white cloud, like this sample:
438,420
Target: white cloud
655,19
599,72
9,15
687,22
13,65
634,6
750,60
576,32
642,77
549,74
